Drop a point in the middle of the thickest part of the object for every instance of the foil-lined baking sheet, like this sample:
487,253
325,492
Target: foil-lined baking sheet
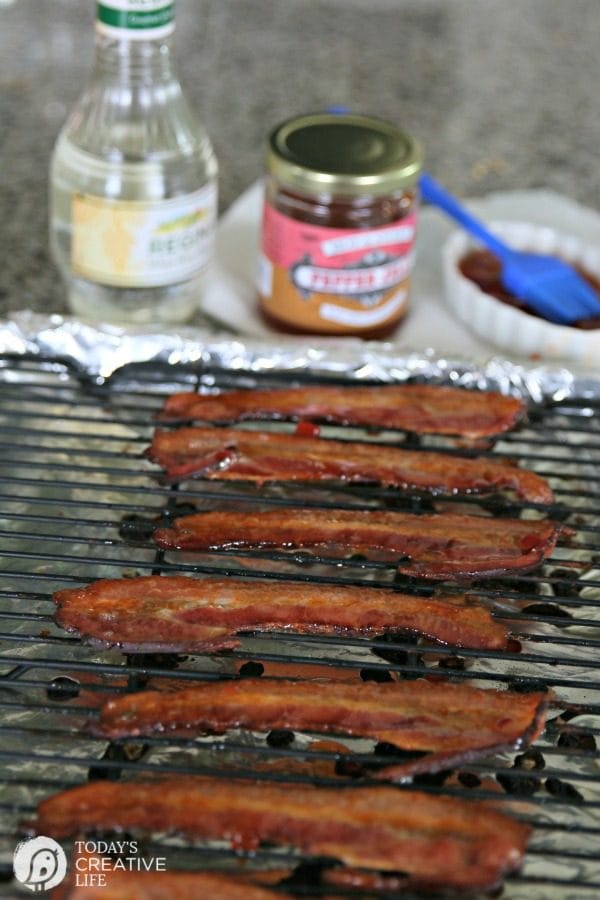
100,351
564,849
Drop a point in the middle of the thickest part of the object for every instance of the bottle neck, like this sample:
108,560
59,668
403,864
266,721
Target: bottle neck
134,60
134,36
133,40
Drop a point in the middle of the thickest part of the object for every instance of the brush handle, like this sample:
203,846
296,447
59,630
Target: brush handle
434,193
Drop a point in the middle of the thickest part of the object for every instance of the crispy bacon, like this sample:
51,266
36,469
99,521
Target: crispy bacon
445,841
261,456
183,614
437,546
454,721
120,884
426,409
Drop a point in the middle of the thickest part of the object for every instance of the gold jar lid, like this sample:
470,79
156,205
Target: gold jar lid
344,155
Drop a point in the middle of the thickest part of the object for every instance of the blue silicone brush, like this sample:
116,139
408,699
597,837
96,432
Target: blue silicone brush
551,287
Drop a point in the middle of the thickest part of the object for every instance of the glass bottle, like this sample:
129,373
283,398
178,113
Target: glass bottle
133,179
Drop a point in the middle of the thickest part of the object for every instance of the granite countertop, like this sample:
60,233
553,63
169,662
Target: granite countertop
502,95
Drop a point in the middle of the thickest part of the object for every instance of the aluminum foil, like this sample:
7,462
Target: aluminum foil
100,351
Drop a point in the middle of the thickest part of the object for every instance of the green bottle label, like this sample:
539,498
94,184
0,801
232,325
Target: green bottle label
141,18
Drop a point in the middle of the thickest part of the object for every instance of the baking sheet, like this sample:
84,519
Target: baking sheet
76,429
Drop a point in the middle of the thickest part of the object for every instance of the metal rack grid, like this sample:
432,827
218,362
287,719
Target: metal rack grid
79,502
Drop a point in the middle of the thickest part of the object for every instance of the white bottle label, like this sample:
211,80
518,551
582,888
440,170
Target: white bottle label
142,243
143,19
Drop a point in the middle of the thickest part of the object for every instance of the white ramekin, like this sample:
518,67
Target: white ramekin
508,328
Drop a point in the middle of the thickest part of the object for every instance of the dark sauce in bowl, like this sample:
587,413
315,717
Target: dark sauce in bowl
484,268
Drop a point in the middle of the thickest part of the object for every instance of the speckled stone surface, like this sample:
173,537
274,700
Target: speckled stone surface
501,94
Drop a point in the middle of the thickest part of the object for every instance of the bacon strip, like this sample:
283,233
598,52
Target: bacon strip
181,614
426,409
455,721
443,840
437,546
132,885
260,456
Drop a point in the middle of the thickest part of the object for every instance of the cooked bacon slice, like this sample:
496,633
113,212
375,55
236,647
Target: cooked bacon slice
225,453
426,409
182,614
437,546
455,721
445,841
120,884
390,884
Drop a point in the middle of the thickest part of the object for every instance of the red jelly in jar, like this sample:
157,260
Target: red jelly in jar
339,225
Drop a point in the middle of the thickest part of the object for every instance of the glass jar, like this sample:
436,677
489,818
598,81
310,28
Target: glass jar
339,225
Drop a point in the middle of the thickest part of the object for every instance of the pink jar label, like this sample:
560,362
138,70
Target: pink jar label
335,279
